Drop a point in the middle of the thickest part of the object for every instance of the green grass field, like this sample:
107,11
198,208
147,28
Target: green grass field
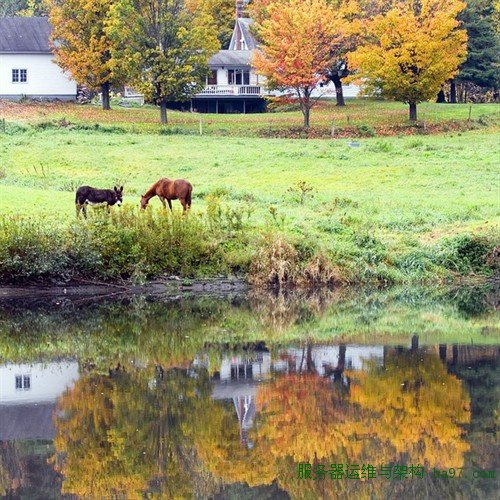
372,203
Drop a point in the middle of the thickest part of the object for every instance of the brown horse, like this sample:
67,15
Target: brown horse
167,189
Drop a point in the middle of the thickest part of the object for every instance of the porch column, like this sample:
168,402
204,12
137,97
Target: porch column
217,106
244,106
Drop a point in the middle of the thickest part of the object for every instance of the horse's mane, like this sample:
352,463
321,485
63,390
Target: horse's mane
152,190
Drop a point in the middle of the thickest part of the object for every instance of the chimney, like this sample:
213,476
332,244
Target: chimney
239,9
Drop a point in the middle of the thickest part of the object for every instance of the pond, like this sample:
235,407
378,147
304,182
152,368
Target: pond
343,394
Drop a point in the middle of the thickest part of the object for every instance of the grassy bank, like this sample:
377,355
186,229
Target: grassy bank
385,210
360,118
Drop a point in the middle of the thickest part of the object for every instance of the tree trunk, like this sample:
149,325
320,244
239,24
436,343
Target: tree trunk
341,363
441,97
442,352
163,110
307,113
338,90
413,111
105,96
310,367
453,92
414,343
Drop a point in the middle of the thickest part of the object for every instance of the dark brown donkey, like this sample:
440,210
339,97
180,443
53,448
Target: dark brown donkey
86,195
167,189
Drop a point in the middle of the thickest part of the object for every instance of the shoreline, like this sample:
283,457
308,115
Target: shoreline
171,286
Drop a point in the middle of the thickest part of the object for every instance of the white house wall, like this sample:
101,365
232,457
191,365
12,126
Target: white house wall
328,91
45,78
47,381
256,79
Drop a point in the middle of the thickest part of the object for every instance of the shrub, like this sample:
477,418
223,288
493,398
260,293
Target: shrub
122,244
30,250
465,254
366,130
319,270
275,262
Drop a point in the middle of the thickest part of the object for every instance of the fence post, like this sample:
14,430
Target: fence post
201,126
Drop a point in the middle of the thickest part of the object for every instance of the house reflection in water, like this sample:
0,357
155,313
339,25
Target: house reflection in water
28,395
239,376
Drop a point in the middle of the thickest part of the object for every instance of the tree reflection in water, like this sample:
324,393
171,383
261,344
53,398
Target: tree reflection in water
160,431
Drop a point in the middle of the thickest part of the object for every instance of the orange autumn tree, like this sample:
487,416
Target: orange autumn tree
82,43
299,41
306,417
410,49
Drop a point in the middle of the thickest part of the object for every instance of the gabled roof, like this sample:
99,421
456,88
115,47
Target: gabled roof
28,421
231,58
243,25
25,35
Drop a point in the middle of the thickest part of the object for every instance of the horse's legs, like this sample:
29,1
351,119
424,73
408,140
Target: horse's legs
78,209
185,206
163,202
169,204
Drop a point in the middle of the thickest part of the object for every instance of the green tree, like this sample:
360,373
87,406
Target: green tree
26,8
482,66
11,7
223,14
35,8
83,45
167,48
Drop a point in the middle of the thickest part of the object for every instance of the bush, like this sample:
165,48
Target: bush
30,250
275,263
465,254
366,130
122,244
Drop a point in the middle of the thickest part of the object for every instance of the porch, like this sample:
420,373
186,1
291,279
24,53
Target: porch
231,90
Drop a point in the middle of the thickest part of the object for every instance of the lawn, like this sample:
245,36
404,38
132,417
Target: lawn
374,203
360,116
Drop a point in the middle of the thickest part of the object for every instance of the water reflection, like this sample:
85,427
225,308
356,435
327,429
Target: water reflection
183,432
225,398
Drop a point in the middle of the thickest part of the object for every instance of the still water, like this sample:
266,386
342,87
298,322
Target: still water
367,394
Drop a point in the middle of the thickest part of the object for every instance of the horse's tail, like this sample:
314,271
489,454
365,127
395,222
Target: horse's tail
188,197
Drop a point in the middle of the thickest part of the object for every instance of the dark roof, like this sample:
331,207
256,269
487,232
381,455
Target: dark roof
231,58
245,23
25,35
27,421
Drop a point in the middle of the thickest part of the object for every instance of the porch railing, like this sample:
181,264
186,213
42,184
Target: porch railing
236,90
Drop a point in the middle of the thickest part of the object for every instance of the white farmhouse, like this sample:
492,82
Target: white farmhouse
27,67
234,86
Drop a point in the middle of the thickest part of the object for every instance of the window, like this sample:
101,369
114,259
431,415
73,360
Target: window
212,79
19,75
238,77
23,382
